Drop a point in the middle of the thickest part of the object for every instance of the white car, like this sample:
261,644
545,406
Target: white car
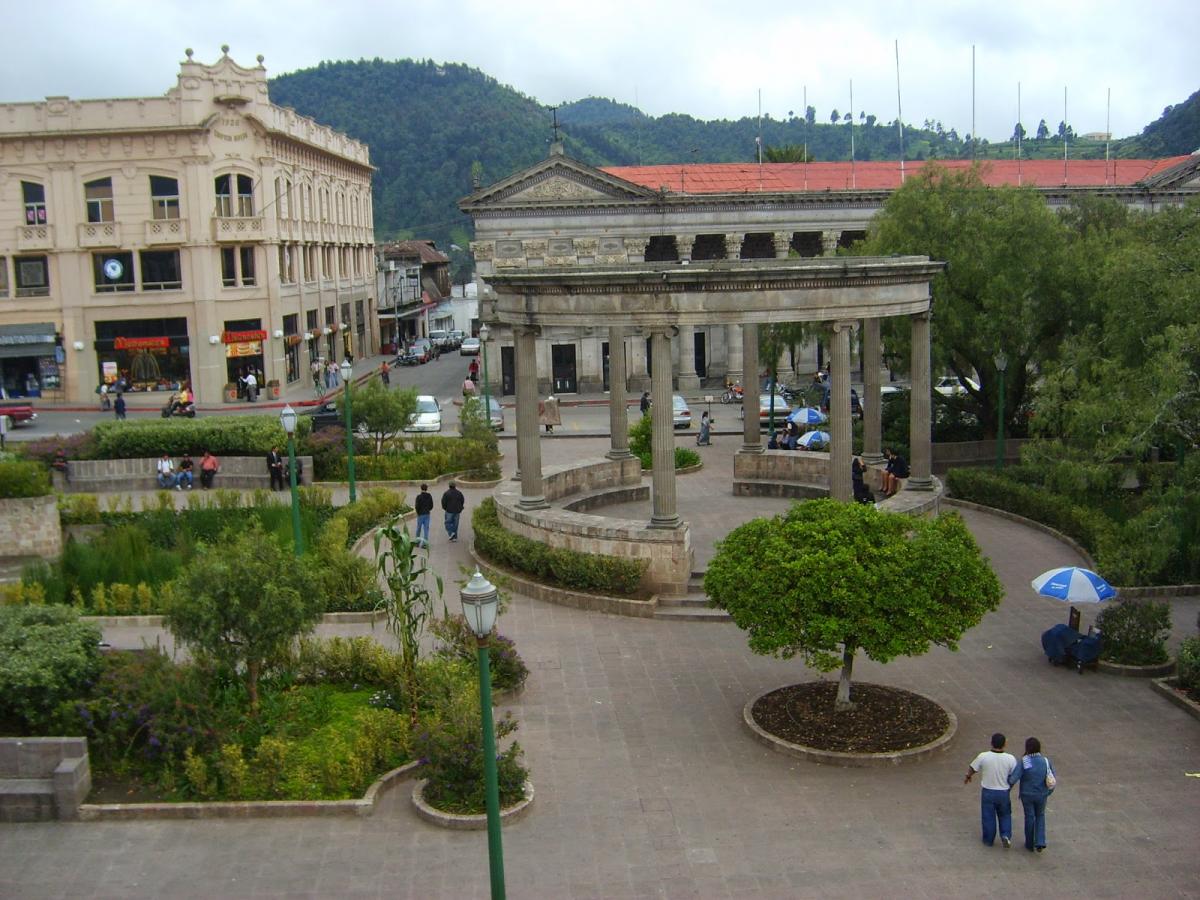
469,347
428,417
680,414
949,385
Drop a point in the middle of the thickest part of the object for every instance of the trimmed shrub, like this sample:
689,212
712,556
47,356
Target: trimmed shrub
1135,632
457,641
568,568
1187,666
222,435
686,458
47,656
23,478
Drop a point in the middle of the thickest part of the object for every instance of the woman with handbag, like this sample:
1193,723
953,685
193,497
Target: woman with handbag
1037,779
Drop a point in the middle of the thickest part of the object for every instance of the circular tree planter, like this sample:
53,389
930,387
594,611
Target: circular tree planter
943,723
1158,670
474,822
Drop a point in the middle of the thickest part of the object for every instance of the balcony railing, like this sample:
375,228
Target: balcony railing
166,231
237,230
99,234
35,237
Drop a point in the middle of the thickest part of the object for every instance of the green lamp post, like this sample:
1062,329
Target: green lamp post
287,418
480,603
1001,361
484,334
347,376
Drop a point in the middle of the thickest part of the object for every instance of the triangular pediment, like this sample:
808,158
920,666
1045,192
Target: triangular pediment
558,180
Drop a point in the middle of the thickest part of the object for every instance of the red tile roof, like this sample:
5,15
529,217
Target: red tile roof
741,178
423,250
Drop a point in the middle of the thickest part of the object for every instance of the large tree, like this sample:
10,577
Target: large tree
1006,285
381,412
242,601
829,579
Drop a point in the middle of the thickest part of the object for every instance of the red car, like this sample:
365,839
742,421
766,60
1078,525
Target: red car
18,411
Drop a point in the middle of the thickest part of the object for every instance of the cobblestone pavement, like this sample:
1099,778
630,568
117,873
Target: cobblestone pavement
647,785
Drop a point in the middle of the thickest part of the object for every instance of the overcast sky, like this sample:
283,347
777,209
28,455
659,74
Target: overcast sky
705,58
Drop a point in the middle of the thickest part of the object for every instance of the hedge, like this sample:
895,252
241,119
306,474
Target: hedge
588,572
426,458
22,478
221,435
46,656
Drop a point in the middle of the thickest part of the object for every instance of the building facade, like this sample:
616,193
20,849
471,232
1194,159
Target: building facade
181,239
563,213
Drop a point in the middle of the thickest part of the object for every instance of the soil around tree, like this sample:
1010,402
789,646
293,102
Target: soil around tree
883,720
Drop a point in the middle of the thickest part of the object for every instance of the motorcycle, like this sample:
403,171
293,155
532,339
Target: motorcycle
733,394
173,408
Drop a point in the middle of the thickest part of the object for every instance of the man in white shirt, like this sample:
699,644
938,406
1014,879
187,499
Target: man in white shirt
166,473
995,800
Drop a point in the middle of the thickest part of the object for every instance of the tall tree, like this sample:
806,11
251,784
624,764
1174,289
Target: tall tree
1043,130
1005,286
827,580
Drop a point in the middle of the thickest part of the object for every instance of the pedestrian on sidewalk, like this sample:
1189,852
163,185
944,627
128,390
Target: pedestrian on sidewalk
452,505
105,404
704,438
995,800
385,372
644,405
251,387
119,407
548,413
315,368
1037,779
424,507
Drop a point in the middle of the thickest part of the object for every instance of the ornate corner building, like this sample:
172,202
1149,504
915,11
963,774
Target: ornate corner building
181,239
561,213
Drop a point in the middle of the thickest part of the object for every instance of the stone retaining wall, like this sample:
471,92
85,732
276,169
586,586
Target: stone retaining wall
668,552
29,527
102,475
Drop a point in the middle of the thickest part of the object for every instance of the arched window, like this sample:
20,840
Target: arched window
225,185
164,197
98,196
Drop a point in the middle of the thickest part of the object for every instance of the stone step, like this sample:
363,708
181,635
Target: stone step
691,614
694,601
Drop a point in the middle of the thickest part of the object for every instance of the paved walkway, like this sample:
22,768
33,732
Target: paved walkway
647,786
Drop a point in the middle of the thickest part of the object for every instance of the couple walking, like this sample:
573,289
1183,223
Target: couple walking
1000,772
452,505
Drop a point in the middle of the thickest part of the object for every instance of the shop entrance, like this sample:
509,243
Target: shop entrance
562,365
30,360
243,339
144,354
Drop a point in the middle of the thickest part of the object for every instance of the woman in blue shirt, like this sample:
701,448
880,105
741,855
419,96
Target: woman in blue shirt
1036,777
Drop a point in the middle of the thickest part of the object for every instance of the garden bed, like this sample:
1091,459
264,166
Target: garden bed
1189,702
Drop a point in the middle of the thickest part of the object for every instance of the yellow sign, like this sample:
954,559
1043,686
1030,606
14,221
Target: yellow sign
243,348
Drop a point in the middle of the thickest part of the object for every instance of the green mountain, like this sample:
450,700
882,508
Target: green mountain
438,129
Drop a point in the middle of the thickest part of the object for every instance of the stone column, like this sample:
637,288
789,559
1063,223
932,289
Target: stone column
733,352
921,464
683,246
529,448
635,249
783,243
751,436
688,379
618,417
872,400
733,245
662,432
841,434
638,376
829,242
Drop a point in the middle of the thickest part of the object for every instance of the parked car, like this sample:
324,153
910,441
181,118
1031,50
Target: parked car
496,417
456,338
949,385
680,414
440,339
18,411
423,349
469,347
428,417
782,410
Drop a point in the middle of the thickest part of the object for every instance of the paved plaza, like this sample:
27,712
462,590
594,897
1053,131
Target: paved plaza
648,786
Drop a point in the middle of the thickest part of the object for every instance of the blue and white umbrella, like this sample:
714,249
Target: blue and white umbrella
813,437
1074,585
806,415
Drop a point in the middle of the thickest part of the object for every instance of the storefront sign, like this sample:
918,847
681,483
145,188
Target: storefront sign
293,340
108,369
240,337
12,340
143,343
243,348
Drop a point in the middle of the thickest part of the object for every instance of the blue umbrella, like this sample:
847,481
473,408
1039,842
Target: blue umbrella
813,437
806,415
1074,585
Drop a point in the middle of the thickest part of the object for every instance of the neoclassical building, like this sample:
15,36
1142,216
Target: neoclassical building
180,239
563,213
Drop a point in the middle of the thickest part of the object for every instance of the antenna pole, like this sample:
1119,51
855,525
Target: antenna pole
899,113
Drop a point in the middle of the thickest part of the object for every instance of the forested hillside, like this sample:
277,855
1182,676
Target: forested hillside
435,129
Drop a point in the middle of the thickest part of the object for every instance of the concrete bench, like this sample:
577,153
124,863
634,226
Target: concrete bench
43,778
97,476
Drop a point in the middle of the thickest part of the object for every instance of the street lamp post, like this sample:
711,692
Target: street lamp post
480,603
1001,362
287,418
347,375
484,334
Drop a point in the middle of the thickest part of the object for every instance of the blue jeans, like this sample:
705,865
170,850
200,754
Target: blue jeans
1035,821
184,479
423,527
166,481
995,806
452,524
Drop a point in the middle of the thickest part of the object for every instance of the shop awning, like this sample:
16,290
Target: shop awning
27,340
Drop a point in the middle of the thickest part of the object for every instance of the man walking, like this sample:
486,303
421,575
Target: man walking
995,800
385,372
424,508
452,504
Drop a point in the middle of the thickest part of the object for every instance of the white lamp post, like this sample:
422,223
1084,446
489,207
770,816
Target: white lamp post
347,375
287,418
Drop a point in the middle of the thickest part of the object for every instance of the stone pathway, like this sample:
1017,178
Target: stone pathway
647,786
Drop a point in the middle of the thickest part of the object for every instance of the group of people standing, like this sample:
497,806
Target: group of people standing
1000,771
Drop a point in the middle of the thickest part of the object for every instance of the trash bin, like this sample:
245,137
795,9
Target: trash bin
273,389
230,393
